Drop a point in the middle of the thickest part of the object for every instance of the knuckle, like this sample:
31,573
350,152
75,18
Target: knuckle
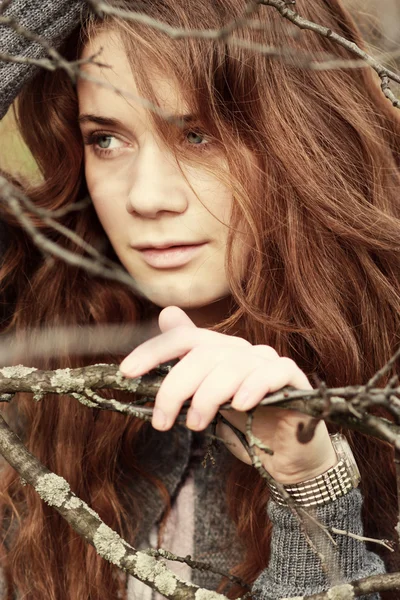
243,342
233,340
184,330
214,354
206,410
266,351
201,352
289,364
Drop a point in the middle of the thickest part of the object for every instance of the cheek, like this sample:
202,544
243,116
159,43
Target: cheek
216,199
221,208
107,194
101,181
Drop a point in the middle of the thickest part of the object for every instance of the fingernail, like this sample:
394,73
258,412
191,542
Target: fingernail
159,420
129,370
193,420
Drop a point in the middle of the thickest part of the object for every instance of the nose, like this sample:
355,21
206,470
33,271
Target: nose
157,183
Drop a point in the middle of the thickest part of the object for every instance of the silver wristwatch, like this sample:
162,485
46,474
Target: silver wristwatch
327,487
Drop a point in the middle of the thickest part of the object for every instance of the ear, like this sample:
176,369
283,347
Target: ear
173,316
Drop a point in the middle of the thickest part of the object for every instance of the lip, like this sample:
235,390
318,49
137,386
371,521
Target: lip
171,256
165,245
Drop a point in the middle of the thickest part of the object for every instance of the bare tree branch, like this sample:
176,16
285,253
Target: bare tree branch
56,492
57,61
86,381
300,59
384,73
100,266
349,591
43,63
347,406
195,564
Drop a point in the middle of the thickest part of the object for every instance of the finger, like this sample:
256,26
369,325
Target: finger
266,352
218,387
173,316
172,344
238,419
269,377
161,348
182,382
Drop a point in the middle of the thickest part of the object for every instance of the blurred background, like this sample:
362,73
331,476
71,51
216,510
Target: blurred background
379,21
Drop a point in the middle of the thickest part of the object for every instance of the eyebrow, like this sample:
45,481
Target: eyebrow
99,120
111,122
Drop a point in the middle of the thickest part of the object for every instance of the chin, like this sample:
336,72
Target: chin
185,298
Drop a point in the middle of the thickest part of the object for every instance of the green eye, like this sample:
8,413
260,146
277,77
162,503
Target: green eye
195,135
104,141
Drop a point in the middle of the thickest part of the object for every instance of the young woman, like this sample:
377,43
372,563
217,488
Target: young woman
263,234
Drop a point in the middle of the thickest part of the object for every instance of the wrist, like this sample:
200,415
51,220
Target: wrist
326,487
312,469
305,461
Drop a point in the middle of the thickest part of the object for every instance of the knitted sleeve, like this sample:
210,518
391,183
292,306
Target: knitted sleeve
295,570
51,19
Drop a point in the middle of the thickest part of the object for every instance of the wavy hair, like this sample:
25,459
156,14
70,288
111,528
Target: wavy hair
321,285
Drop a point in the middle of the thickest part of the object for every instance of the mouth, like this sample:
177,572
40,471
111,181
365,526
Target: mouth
165,245
170,256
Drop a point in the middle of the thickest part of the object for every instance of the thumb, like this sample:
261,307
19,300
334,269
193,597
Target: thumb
173,316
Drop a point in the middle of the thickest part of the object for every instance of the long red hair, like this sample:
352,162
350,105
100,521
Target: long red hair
321,285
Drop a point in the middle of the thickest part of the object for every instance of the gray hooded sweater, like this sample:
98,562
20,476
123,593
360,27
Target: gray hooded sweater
294,570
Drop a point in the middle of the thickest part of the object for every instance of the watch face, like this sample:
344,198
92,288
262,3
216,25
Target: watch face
344,452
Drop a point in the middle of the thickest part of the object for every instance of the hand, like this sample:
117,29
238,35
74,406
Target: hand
215,368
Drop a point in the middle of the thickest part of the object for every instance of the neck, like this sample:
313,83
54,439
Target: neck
210,315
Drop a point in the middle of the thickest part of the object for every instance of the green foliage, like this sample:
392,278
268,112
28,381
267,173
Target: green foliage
15,157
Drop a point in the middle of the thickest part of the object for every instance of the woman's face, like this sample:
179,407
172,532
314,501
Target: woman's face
141,197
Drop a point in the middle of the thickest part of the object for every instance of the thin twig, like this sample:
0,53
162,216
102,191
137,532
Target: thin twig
383,371
10,195
296,58
55,491
384,73
329,530
195,564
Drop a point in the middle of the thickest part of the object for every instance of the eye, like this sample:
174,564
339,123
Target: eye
107,142
198,139
194,136
105,145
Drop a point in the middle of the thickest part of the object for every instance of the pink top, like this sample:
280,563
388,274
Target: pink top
177,538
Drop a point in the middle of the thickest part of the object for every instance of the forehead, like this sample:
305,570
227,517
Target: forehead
115,72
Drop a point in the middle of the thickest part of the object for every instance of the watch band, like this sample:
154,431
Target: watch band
337,481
